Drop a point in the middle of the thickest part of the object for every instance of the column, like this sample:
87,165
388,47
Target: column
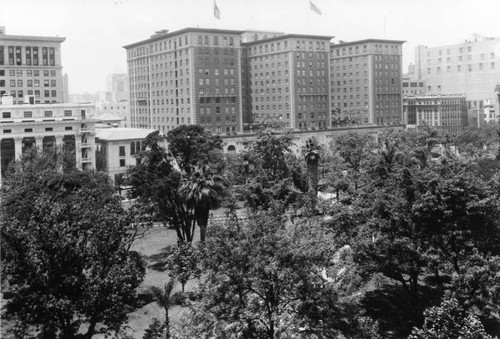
18,148
59,142
39,143
78,151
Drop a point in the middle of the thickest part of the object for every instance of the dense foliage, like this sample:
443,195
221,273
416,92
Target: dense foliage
65,250
395,235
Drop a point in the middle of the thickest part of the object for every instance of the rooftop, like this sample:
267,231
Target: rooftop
166,34
116,134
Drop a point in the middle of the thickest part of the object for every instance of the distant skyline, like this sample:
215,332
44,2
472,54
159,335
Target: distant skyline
97,30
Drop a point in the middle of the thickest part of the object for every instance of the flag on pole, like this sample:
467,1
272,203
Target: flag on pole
314,8
216,11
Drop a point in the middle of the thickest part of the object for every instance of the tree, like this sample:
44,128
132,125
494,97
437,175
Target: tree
192,146
164,299
202,192
182,263
353,148
272,150
262,281
66,250
449,321
155,183
311,152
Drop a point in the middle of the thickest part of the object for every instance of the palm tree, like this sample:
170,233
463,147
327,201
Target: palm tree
201,193
311,152
164,299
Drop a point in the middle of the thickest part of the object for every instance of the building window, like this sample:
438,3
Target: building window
47,114
68,128
68,113
28,114
6,115
122,151
122,162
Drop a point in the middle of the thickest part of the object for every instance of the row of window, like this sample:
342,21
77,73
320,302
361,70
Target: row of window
459,68
46,114
31,56
393,49
29,83
29,72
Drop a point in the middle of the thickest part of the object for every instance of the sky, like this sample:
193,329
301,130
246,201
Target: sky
97,30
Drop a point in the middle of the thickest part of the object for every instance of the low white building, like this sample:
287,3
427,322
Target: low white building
118,148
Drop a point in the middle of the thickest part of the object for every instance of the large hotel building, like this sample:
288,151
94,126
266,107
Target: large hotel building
228,80
191,76
366,81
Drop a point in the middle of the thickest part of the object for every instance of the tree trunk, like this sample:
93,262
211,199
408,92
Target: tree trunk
167,323
202,221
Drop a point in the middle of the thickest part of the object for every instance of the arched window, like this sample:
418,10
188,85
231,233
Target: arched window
206,40
216,40
231,149
286,44
231,41
272,47
255,37
186,40
224,41
200,40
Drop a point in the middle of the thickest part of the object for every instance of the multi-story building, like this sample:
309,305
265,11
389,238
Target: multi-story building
412,86
118,148
445,111
24,126
471,67
117,85
286,81
190,76
365,83
481,112
31,70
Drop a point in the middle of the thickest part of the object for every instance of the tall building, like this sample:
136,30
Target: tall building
30,69
286,81
190,76
444,111
365,81
117,85
24,126
471,67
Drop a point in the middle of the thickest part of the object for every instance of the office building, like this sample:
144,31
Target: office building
471,67
286,81
190,76
365,81
31,69
24,126
444,111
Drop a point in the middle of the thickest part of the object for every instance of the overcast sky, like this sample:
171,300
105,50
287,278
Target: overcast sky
97,30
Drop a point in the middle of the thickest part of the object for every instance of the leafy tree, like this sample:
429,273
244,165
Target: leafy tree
66,250
192,146
202,192
353,148
155,183
272,150
311,152
182,263
449,321
261,281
